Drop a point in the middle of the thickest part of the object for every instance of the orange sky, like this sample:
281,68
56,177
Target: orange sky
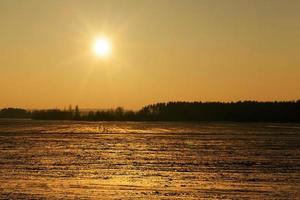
168,50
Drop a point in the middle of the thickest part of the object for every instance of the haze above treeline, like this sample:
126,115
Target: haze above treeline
243,111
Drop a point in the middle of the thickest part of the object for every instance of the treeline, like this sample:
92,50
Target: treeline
14,113
242,111
56,114
118,114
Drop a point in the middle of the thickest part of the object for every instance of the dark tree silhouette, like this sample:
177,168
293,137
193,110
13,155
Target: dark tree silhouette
243,111
14,113
76,113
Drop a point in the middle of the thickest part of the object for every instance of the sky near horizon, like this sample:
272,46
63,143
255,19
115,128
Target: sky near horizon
163,50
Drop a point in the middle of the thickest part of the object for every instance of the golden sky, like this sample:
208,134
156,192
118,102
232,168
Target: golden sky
162,50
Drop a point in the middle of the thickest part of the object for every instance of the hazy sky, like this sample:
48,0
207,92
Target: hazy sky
162,50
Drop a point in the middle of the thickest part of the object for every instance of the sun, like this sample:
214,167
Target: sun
102,47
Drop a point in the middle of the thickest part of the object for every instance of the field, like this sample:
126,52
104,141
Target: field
143,160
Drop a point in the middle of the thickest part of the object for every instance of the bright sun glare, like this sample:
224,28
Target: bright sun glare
102,47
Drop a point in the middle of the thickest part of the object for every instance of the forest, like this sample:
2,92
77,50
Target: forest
241,111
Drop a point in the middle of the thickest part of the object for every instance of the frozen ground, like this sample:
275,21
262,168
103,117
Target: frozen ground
126,160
